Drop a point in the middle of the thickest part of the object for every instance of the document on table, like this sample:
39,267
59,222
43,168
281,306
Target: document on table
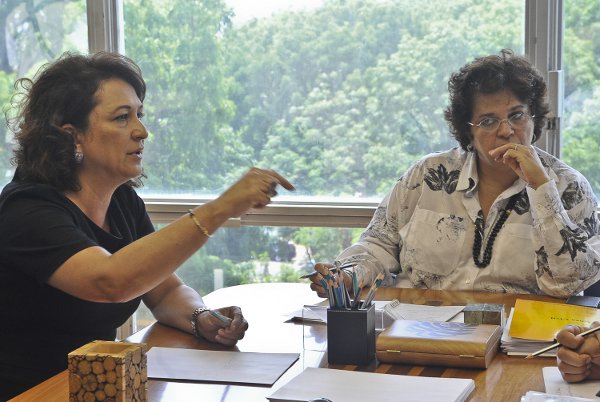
533,396
218,366
421,312
356,386
555,385
318,312
394,309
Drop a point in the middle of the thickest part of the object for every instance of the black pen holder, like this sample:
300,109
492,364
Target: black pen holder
351,336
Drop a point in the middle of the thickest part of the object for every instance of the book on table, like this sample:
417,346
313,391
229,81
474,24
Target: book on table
453,344
532,325
521,347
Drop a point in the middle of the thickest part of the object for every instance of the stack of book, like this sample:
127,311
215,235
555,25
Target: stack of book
532,325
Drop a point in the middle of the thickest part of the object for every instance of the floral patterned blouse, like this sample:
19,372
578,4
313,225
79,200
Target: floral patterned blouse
422,233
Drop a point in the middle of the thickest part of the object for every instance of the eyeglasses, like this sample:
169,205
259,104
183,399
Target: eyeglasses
517,121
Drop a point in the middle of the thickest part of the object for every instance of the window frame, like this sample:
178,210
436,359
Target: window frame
544,26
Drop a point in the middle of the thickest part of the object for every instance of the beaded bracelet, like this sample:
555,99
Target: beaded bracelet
198,224
195,314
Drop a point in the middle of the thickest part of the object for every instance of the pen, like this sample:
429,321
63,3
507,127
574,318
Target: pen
354,283
371,294
557,344
221,317
347,300
329,290
356,300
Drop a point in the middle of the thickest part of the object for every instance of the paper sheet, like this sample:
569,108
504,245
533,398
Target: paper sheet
354,386
318,312
395,309
557,386
218,366
421,312
533,396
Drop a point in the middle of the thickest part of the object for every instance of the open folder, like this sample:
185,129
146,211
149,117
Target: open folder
355,386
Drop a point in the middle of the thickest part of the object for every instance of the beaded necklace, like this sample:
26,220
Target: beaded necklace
487,253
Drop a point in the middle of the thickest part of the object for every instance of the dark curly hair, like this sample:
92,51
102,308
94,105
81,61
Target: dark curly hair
62,92
489,75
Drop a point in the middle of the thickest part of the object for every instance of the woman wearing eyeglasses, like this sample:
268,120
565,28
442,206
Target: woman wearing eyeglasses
493,214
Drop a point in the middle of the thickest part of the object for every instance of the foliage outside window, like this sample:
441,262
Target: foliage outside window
581,132
341,98
33,33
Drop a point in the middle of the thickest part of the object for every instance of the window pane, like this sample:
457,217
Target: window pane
35,33
338,96
236,256
581,135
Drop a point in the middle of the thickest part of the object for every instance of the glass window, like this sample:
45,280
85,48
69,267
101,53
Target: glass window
34,33
235,256
338,96
580,132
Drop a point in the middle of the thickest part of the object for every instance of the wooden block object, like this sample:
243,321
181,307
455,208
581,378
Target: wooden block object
109,372
485,313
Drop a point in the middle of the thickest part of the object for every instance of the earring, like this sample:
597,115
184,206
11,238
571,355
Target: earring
78,157
470,148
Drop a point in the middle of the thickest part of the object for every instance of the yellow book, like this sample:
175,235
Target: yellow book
540,321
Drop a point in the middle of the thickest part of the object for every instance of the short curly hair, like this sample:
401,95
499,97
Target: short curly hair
62,92
489,75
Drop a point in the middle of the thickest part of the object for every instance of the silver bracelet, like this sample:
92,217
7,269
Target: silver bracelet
195,314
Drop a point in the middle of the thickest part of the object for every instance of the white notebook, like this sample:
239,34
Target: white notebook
555,385
356,386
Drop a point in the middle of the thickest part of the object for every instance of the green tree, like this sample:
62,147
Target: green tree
37,31
198,272
325,243
33,32
342,99
176,43
580,137
288,274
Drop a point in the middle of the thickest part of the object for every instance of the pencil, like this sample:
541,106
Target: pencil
221,317
372,290
557,344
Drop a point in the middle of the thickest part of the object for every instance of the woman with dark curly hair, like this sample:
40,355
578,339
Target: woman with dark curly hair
496,213
77,249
